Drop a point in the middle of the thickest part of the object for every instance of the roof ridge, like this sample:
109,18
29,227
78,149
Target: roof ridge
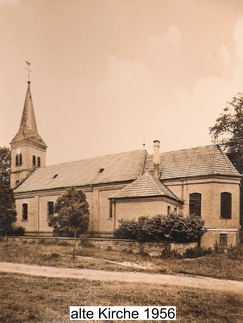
184,149
155,179
227,158
214,158
142,169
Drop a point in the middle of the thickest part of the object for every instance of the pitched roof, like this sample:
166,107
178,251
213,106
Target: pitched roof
198,161
28,126
145,186
119,167
128,166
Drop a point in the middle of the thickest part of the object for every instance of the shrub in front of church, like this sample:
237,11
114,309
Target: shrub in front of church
183,229
162,227
126,230
144,229
16,231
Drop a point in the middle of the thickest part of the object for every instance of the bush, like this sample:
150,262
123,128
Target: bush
86,243
17,231
62,233
63,243
183,229
235,253
168,253
197,252
151,229
159,228
126,230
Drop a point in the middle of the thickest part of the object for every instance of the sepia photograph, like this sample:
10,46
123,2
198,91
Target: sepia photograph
121,161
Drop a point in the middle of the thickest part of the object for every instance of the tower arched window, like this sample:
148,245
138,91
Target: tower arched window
18,160
33,160
195,200
38,162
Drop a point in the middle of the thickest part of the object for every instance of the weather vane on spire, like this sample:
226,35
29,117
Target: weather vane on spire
29,71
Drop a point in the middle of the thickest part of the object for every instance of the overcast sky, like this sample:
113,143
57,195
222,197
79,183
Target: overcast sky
109,73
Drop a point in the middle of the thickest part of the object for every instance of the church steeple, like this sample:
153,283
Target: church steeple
28,149
28,126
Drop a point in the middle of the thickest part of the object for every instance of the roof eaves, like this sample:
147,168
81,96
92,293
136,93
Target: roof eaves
144,196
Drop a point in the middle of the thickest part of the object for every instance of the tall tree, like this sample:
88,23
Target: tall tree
7,204
7,209
73,213
228,131
5,166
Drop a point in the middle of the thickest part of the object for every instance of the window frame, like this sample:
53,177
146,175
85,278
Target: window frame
226,205
223,240
25,212
50,206
18,160
34,160
195,204
168,209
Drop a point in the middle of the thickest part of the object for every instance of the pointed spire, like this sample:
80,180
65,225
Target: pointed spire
28,126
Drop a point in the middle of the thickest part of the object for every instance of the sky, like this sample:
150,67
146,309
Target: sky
110,75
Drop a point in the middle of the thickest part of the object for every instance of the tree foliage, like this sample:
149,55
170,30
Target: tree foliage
7,204
228,131
7,209
73,212
5,167
162,227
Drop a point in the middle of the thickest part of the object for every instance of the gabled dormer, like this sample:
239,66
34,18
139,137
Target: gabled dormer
28,150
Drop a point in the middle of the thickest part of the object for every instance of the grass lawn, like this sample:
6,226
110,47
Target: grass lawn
27,299
54,253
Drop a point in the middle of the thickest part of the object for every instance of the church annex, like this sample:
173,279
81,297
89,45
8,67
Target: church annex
126,185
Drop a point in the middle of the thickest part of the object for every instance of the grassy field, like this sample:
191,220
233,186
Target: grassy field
27,299
54,253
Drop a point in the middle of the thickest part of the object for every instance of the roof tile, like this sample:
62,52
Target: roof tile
119,167
145,186
198,161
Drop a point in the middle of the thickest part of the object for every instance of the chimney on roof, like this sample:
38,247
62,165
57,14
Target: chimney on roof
156,158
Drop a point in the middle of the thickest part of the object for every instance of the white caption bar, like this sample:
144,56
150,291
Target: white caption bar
134,313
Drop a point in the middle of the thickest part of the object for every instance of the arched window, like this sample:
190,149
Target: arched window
20,159
33,160
195,203
24,211
38,162
225,205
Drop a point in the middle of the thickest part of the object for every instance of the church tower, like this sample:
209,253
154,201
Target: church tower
28,150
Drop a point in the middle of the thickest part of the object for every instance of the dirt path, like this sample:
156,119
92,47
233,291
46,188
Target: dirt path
177,280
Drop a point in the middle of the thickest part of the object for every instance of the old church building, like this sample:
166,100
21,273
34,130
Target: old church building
126,185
